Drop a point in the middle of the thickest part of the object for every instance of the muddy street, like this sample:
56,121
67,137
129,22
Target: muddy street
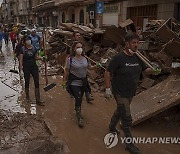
29,128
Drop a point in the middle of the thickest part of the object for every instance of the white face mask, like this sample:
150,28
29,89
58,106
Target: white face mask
28,42
131,51
79,51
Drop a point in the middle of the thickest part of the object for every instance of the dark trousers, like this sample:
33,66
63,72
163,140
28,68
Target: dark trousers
33,70
6,41
88,89
78,93
122,112
13,44
0,45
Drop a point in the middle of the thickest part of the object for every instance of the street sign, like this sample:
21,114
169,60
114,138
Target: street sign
100,7
91,15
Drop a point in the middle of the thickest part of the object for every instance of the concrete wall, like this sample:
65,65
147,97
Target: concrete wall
123,9
165,10
110,17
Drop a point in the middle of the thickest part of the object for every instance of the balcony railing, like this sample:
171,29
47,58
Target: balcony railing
62,2
44,4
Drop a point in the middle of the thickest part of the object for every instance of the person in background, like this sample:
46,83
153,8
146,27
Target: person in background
75,75
6,36
16,29
36,40
1,39
27,63
13,37
19,46
122,75
139,33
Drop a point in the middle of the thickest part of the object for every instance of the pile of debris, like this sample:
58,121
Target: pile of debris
27,134
160,43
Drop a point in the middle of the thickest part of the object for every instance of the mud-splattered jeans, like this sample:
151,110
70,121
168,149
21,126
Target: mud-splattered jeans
122,112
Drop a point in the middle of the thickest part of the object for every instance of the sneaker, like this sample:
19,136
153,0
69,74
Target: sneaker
132,149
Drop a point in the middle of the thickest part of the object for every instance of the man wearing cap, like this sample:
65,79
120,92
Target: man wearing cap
123,73
35,39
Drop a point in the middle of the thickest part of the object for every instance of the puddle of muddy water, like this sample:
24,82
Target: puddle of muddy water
9,99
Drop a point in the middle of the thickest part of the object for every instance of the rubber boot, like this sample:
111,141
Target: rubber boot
27,94
89,98
37,96
79,117
130,146
113,123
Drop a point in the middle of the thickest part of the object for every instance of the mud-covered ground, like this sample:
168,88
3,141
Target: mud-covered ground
28,128
23,133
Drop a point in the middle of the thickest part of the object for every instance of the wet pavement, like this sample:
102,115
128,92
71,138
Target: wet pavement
24,123
10,87
22,128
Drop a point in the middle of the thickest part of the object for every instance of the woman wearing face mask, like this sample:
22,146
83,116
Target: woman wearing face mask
27,63
75,75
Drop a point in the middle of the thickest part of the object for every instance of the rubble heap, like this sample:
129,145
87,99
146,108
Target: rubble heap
160,43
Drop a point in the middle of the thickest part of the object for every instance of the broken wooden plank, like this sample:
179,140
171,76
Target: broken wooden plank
126,23
115,34
172,48
165,33
82,29
156,99
147,83
63,32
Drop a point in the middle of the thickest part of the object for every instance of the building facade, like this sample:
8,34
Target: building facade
140,11
25,11
53,12
7,11
16,11
45,13
74,11
4,12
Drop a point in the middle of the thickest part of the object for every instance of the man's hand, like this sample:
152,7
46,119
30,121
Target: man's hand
108,93
157,71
